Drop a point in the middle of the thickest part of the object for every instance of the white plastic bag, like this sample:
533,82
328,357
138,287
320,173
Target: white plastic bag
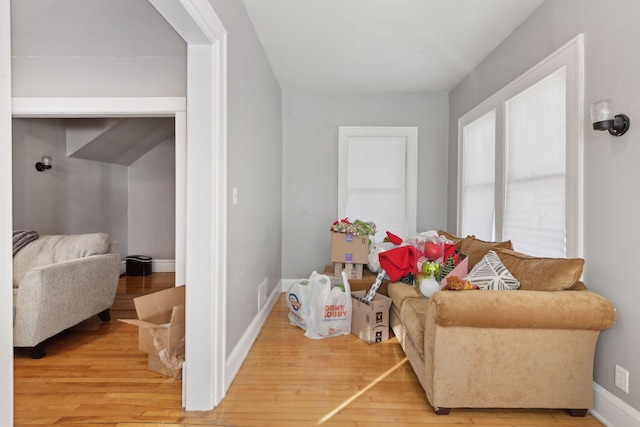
298,303
330,307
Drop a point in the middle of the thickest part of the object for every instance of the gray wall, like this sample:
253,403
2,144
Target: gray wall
94,48
310,165
135,205
254,168
612,165
75,196
152,203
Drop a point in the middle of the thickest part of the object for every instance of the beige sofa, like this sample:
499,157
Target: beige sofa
526,348
58,282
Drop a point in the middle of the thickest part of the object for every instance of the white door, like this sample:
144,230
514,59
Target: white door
377,177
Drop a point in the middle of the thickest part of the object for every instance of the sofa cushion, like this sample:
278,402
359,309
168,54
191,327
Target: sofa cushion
523,309
414,314
58,248
542,274
475,249
491,274
400,292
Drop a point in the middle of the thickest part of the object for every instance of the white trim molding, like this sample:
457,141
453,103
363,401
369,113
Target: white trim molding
206,200
6,220
157,266
612,411
241,350
285,284
98,107
163,266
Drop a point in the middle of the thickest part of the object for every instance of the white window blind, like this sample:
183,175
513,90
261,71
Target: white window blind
478,177
376,182
535,200
377,177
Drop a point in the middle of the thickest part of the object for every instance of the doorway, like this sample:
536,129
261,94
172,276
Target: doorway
109,175
205,204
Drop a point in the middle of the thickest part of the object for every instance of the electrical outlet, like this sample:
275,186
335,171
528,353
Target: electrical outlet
262,294
622,379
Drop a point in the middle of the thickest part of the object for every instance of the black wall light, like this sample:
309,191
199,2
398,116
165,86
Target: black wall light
44,164
603,118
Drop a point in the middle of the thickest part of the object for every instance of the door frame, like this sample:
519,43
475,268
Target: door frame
6,220
203,374
206,203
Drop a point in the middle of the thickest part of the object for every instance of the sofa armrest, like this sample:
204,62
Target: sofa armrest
522,309
54,297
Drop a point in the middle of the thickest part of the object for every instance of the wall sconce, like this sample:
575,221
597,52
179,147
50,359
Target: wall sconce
603,118
44,164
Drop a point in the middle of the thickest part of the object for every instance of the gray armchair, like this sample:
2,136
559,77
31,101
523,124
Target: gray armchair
59,281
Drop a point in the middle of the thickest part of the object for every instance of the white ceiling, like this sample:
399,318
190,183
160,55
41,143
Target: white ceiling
381,45
312,45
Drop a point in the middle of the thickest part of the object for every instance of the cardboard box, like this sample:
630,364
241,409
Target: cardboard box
160,314
354,271
155,364
347,248
370,322
361,284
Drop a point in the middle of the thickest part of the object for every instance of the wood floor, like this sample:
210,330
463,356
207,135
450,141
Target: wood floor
93,375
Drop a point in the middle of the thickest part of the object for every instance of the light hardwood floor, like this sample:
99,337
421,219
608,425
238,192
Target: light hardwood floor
94,375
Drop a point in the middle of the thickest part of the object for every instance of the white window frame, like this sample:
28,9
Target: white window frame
411,185
570,56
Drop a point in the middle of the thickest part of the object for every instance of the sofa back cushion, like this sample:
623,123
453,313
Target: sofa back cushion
473,247
476,249
52,249
542,274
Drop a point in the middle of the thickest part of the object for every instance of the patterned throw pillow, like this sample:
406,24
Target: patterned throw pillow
490,273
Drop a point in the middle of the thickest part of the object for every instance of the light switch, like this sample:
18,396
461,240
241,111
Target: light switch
235,196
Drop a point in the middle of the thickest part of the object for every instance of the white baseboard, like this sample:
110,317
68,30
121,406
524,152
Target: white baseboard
286,284
163,265
611,410
157,265
241,350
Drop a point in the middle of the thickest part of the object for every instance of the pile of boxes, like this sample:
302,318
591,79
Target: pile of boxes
349,252
369,319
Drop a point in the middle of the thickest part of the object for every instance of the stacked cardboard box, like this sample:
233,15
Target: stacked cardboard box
349,252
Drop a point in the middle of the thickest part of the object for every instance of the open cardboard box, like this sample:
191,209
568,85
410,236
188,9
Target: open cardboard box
370,322
161,314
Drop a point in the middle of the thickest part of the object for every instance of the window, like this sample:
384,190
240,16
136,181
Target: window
478,176
520,160
377,177
535,185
